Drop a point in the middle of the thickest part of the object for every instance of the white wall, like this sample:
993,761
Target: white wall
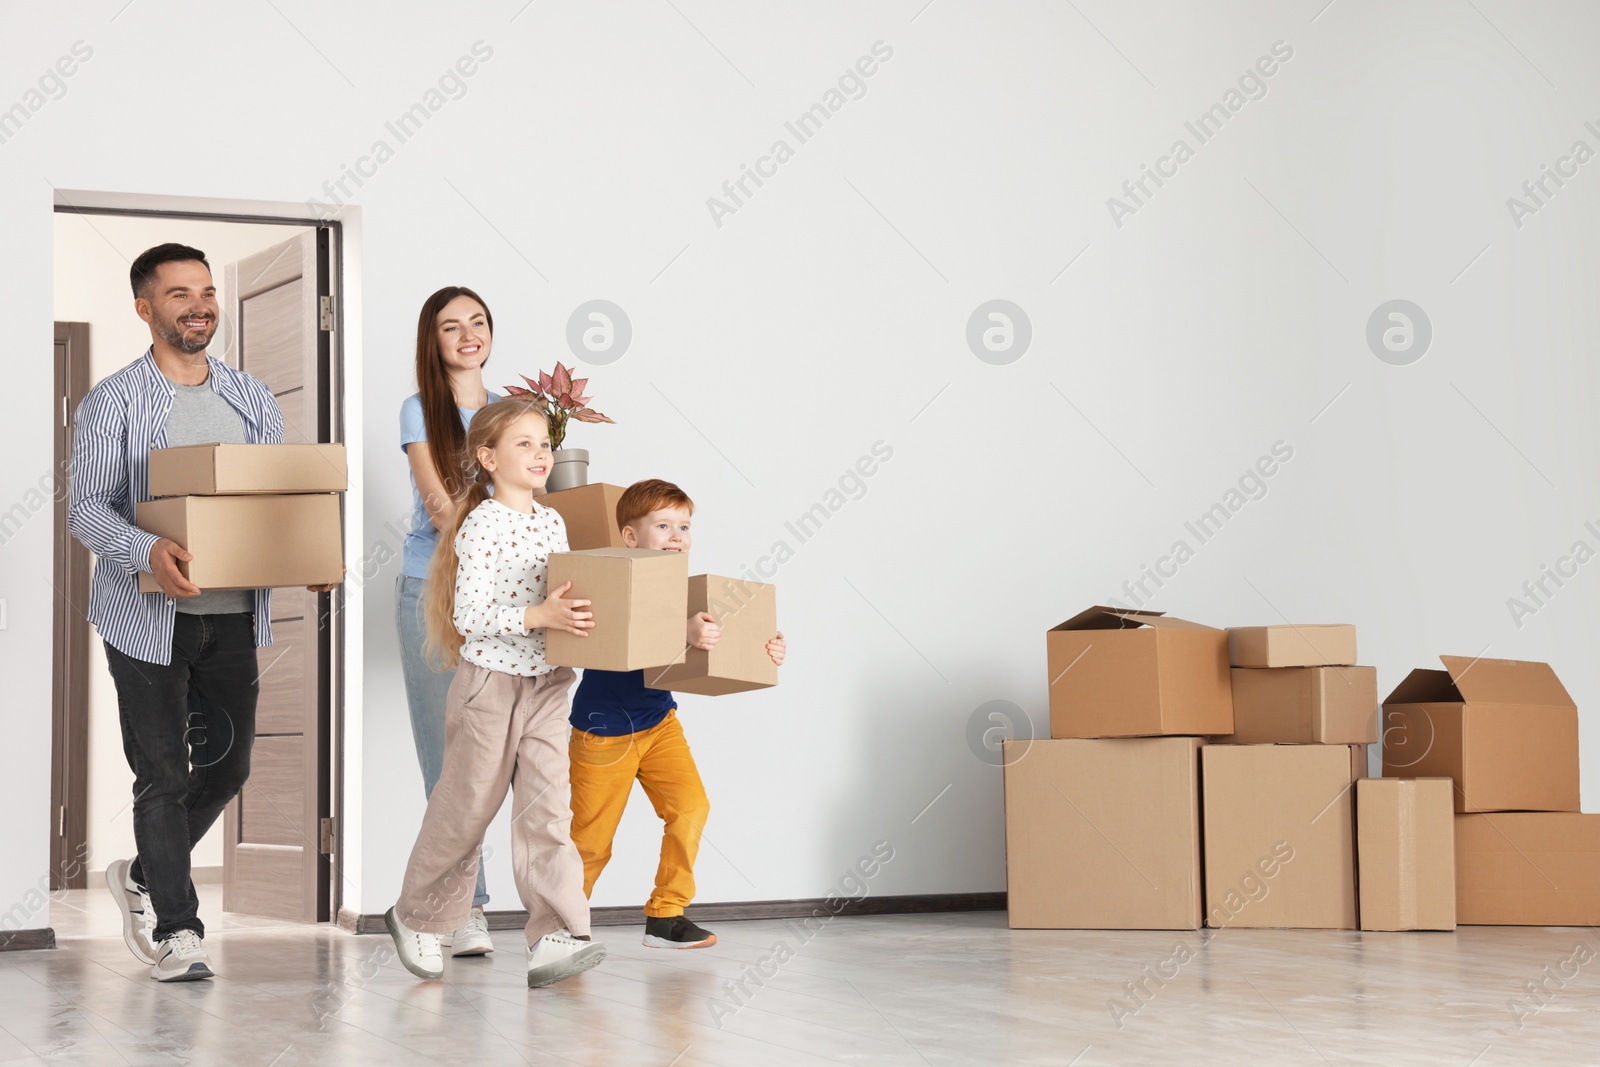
92,254
828,311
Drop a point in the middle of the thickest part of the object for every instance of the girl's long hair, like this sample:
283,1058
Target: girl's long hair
443,645
447,441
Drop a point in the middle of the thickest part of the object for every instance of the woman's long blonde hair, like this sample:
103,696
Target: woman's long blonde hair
443,645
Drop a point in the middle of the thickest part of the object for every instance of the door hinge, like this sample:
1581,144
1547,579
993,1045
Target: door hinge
325,837
325,308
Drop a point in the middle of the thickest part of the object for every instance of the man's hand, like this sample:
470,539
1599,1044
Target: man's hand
330,587
165,555
777,648
704,633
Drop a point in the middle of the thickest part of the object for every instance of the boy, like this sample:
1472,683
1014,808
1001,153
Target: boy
624,731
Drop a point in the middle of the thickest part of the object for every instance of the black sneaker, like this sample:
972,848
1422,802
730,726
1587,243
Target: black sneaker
675,931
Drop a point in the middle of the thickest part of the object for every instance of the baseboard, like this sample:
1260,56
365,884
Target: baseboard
25,940
735,911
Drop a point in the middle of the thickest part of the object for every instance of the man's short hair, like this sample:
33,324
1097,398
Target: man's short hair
142,275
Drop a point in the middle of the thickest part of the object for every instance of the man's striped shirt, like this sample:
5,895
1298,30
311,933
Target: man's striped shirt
118,423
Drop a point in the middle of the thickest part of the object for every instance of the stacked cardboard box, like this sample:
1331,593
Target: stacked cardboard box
1280,785
1161,729
1505,732
1280,835
253,516
1103,819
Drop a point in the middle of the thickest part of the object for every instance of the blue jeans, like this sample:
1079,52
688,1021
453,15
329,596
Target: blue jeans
426,690
187,730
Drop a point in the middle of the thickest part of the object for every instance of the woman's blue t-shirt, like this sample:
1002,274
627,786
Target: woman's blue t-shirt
422,538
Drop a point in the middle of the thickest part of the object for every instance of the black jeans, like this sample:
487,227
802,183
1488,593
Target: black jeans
187,729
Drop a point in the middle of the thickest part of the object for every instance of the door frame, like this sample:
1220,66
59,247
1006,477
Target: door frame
331,239
69,659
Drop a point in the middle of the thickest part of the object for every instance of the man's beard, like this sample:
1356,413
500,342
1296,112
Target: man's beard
184,341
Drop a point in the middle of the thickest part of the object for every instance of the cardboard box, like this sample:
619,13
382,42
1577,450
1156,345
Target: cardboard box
1280,835
1292,646
249,542
1406,849
1137,674
640,600
1528,869
1103,835
216,470
748,615
590,513
1505,730
1304,706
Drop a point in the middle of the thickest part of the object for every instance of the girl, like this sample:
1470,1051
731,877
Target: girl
454,335
506,714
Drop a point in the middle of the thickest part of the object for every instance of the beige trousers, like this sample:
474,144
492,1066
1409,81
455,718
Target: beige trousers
501,731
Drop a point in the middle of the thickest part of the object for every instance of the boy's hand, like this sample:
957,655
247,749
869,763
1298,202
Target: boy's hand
776,648
560,614
165,555
704,633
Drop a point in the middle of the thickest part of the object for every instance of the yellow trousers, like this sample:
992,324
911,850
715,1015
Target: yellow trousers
603,773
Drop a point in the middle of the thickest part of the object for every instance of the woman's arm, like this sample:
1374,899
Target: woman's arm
429,485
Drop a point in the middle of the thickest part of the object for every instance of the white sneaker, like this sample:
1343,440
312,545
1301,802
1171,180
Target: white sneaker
138,915
472,939
181,958
559,956
419,952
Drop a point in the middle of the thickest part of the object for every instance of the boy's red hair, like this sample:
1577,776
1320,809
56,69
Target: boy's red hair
652,494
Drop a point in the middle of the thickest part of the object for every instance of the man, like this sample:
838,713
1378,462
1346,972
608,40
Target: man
184,659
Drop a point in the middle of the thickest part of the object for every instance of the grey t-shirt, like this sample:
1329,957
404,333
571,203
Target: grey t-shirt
200,416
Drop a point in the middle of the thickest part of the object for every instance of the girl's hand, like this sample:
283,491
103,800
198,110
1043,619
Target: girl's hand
559,614
776,648
704,633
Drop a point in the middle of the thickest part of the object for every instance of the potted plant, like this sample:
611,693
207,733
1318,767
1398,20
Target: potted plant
560,397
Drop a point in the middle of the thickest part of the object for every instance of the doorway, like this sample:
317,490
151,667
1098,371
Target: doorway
274,852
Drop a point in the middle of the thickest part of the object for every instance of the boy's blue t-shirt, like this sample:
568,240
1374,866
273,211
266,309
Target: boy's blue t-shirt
616,703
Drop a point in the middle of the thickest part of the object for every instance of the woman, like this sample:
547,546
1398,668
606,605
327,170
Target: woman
454,334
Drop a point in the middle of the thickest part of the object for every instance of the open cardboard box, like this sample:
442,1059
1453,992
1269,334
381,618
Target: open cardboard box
1117,673
1505,730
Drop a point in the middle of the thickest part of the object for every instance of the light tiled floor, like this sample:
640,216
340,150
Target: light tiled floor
941,990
